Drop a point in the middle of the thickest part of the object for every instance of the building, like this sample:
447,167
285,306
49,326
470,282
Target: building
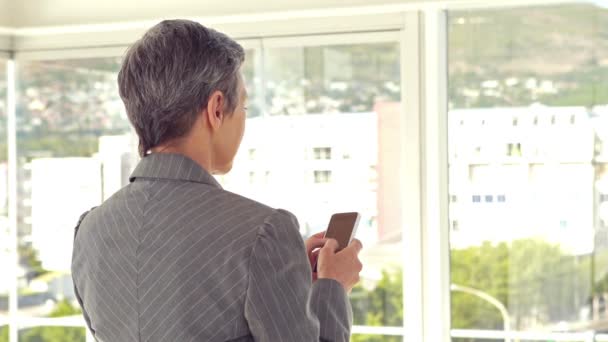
312,165
116,157
522,173
62,189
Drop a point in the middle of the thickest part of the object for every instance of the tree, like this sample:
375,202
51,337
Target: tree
538,282
52,334
4,334
29,257
381,306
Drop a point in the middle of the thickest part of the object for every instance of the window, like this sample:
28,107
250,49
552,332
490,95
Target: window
476,199
373,175
252,153
330,122
514,150
73,139
553,270
322,153
322,176
325,79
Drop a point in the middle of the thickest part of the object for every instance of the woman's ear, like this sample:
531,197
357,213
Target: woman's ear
215,109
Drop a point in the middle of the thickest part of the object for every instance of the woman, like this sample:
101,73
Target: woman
173,256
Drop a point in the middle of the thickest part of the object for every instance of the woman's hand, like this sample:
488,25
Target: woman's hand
313,245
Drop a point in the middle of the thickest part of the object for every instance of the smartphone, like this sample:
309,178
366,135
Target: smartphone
342,228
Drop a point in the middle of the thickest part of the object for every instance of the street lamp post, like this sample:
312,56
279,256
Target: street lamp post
495,302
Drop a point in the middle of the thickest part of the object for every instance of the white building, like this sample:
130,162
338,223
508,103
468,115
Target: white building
116,155
62,189
522,173
312,165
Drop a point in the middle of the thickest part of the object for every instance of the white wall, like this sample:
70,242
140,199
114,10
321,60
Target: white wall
36,13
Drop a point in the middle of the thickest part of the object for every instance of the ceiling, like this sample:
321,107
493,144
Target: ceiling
41,13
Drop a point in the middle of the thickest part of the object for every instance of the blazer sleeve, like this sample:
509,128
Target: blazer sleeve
281,302
76,293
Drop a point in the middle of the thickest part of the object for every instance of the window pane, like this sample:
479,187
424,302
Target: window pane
252,83
331,79
527,99
5,240
340,157
74,150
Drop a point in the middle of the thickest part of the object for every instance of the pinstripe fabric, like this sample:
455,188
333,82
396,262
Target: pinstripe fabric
174,257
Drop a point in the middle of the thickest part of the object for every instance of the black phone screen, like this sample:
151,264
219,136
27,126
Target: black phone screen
341,228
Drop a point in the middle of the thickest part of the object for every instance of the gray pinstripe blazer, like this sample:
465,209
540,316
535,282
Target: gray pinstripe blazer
174,257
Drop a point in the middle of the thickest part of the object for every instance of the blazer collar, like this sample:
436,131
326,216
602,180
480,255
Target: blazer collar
174,167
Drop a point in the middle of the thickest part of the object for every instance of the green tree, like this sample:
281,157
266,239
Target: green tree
29,257
56,334
380,306
4,334
532,278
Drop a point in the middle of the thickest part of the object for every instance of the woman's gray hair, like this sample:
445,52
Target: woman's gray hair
168,75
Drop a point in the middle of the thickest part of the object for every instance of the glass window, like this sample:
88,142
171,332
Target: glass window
517,78
252,83
331,79
74,138
328,133
322,153
74,144
322,176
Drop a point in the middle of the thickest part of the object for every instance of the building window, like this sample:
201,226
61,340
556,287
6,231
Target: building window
515,121
322,153
323,176
453,198
252,153
501,198
251,177
489,198
267,177
514,150
373,174
476,199
455,227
